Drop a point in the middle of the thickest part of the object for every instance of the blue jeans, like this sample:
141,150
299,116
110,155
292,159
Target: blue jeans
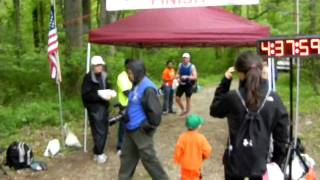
168,93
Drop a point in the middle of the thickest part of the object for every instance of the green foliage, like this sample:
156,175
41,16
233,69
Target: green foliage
37,113
309,100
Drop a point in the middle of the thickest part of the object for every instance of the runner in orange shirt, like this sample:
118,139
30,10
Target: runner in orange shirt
192,149
168,75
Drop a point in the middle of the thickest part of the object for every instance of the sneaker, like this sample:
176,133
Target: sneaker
100,159
119,152
172,112
164,112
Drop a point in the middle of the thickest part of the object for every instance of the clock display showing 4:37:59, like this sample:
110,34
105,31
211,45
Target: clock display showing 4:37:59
290,47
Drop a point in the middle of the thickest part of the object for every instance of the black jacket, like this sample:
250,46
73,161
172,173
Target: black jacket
227,104
89,91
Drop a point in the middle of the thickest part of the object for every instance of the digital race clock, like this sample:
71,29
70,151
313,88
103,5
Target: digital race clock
289,47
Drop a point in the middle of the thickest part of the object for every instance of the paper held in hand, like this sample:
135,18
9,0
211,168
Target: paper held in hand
107,93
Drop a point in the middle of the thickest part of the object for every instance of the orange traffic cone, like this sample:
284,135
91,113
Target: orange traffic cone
311,175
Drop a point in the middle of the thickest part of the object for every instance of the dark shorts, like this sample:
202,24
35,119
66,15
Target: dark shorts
184,89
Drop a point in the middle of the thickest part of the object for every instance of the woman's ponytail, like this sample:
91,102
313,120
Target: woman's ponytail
251,65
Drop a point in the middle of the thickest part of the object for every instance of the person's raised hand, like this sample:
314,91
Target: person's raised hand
228,73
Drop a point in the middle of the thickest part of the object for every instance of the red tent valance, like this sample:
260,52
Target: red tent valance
197,27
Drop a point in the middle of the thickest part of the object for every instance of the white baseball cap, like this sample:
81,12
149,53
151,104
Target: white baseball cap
97,60
186,55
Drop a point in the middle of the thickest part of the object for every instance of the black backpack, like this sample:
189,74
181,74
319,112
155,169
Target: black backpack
248,150
19,155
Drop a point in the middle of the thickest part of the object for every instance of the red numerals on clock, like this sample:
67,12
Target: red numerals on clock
265,48
315,44
290,47
279,48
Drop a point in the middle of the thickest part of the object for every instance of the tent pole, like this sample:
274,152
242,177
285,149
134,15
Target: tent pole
273,67
298,72
269,75
298,89
85,110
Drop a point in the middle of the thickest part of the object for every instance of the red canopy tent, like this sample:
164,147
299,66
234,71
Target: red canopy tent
192,27
199,27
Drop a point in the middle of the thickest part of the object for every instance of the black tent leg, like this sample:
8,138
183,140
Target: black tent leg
291,116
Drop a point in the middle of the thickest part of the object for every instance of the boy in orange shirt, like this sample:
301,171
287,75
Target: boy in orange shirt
191,149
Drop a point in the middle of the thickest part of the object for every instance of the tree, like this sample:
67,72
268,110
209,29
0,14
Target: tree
107,18
73,23
86,11
16,4
38,25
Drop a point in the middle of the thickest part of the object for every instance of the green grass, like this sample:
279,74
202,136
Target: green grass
309,101
35,114
209,80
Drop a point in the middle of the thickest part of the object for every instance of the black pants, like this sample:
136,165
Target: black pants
121,131
98,117
139,146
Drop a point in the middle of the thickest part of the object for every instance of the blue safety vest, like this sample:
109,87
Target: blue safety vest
135,110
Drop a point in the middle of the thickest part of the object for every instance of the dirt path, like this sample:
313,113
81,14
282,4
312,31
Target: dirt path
80,166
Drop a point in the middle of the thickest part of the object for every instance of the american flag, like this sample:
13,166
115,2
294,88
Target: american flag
53,55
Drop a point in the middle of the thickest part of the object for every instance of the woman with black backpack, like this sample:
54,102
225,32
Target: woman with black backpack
254,115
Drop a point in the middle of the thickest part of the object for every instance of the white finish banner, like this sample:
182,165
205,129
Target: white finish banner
115,5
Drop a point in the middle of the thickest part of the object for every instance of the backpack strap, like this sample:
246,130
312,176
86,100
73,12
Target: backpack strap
244,103
264,101
242,100
21,152
29,158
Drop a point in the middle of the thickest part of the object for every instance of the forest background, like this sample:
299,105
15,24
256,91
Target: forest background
28,97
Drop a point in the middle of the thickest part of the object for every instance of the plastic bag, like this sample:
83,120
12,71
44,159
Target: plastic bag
53,148
273,172
71,138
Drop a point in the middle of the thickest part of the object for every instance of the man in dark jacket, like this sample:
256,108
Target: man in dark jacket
143,116
97,106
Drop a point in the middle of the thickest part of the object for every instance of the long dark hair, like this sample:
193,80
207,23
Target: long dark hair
250,64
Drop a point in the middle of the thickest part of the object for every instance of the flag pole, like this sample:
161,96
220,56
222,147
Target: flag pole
61,111
58,80
85,110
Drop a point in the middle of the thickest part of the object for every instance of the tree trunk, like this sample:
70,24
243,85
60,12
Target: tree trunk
103,13
16,4
86,10
73,23
107,18
36,34
42,28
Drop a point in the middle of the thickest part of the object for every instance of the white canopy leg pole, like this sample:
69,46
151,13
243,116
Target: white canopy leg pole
86,111
273,68
269,75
